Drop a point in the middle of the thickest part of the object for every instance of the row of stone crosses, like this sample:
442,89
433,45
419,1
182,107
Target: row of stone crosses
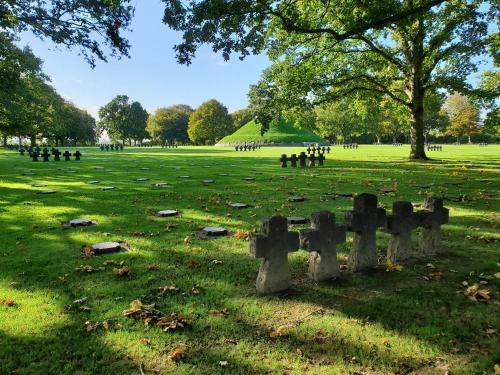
275,241
302,158
248,146
434,147
35,154
318,149
112,147
350,145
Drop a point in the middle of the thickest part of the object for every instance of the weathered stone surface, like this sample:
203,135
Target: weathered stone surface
400,225
296,198
248,179
430,219
273,245
238,205
208,181
215,231
79,223
321,240
142,179
104,188
184,176
364,221
160,184
108,247
45,192
296,220
167,213
93,182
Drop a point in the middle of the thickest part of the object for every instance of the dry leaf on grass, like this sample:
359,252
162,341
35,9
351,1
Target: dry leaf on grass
194,264
278,332
391,266
241,234
89,327
150,316
124,271
178,353
154,267
145,341
8,302
222,312
89,269
474,293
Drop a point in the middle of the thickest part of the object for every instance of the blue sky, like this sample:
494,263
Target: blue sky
151,76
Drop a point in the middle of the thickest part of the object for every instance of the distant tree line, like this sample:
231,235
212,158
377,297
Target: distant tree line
31,108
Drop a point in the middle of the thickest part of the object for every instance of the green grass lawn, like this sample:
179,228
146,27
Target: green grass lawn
417,319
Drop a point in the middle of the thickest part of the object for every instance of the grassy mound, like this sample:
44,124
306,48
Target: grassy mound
282,131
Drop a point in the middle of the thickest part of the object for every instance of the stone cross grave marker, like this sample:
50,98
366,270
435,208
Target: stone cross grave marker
283,160
77,155
312,160
321,159
302,159
321,240
400,225
46,155
57,155
364,220
430,219
34,156
273,246
67,155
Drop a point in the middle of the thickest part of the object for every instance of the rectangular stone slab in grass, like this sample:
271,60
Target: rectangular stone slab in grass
321,240
106,247
363,221
273,246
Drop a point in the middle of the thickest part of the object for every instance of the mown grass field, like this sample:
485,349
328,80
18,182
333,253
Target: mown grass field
416,320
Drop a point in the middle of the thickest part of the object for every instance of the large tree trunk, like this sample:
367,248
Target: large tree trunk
416,94
4,141
33,141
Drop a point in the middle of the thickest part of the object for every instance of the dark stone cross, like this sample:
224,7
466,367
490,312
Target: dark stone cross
293,160
57,155
283,161
77,155
430,219
21,151
302,159
321,240
364,220
34,155
400,225
273,246
321,159
312,160
67,155
46,155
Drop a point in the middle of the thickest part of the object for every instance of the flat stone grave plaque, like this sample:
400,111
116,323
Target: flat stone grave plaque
208,181
160,184
104,188
109,247
223,174
315,175
38,185
79,223
45,192
238,205
294,220
184,176
167,213
344,195
93,182
296,198
248,179
214,231
388,190
142,179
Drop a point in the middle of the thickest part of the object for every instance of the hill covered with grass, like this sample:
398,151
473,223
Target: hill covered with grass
281,131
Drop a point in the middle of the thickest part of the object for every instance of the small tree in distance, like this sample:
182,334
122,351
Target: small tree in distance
209,123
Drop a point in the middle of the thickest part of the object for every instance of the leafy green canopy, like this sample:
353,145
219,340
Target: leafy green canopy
123,119
323,51
209,123
280,131
94,26
169,124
